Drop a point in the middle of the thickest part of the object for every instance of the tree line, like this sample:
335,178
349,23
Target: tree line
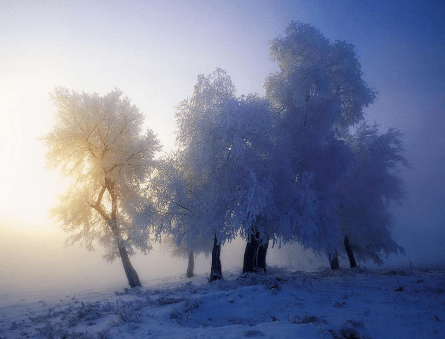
299,165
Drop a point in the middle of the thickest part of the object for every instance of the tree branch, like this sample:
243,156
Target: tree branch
102,213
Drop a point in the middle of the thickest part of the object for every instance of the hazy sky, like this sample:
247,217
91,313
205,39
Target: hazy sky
154,51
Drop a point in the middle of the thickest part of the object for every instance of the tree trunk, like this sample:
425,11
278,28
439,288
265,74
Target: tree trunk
216,272
132,276
130,272
191,264
335,265
250,263
350,253
255,254
262,252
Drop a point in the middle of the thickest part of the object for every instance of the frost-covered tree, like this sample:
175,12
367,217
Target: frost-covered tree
204,151
97,143
225,141
373,183
174,194
318,94
246,185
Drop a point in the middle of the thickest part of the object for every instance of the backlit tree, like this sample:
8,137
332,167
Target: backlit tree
97,142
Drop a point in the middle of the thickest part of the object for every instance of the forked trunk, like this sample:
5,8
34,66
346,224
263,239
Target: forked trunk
350,253
335,265
191,264
216,272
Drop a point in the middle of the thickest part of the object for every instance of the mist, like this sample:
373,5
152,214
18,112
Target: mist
36,265
419,223
156,62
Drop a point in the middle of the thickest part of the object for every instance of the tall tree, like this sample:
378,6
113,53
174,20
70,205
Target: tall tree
97,142
318,94
204,151
225,141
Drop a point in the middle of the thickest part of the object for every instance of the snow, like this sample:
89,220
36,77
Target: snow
349,303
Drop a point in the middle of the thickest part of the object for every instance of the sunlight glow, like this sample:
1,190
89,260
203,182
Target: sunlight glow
29,189
154,52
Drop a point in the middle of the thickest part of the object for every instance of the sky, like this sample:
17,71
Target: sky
154,51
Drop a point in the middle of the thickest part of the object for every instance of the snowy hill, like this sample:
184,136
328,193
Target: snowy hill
346,304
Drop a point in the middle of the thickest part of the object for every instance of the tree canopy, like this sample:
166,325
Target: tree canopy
229,143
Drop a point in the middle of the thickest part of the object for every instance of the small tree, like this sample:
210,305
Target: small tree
365,196
175,196
182,252
97,142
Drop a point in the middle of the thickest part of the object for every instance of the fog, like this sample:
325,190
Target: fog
420,221
38,264
154,52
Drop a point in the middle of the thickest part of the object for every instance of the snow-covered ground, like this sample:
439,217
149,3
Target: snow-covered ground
359,303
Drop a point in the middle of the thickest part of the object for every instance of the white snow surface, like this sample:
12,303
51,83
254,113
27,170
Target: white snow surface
346,304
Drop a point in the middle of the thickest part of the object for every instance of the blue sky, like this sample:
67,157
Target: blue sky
154,51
